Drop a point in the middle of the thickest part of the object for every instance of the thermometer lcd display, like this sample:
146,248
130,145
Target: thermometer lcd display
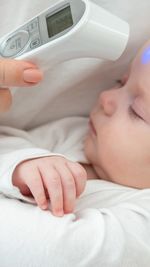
59,21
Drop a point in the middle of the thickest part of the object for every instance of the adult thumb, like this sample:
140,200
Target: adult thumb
18,73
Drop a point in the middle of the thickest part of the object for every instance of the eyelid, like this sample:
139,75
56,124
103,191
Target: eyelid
139,107
134,114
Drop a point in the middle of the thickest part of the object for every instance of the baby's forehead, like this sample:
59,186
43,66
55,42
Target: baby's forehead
141,64
140,76
140,72
145,56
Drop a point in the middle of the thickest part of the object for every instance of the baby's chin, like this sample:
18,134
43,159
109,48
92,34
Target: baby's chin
101,173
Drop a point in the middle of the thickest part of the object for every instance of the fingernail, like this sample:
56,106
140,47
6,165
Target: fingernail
32,75
44,207
59,213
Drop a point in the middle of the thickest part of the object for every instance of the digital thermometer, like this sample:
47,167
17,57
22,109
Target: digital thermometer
66,30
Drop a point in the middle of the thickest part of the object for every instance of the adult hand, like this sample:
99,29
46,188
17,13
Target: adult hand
16,73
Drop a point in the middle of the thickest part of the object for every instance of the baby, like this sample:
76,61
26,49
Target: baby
117,146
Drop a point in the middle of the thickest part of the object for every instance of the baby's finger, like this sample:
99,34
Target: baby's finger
69,189
52,183
80,176
36,187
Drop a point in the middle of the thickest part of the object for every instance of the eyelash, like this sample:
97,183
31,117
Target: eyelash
120,83
133,114
131,111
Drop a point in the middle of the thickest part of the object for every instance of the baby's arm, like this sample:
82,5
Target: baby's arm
18,146
56,178
17,149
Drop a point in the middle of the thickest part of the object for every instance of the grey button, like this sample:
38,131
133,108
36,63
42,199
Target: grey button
33,26
14,44
35,43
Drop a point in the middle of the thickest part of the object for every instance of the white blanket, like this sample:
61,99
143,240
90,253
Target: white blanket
110,227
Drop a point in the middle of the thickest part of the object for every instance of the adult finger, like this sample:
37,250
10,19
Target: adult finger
5,99
18,73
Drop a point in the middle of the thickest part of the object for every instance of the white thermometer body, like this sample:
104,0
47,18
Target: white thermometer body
67,30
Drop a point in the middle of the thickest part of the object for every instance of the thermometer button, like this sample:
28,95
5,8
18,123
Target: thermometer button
14,44
33,26
35,43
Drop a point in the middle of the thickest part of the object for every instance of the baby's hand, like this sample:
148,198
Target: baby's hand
55,177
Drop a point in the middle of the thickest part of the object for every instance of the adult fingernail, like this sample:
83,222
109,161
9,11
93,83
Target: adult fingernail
32,75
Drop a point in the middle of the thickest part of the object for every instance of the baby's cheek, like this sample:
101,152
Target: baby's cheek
89,149
112,156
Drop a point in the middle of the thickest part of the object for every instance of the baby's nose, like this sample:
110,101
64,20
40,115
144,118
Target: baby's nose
107,101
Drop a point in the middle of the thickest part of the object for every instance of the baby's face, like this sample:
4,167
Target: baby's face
118,142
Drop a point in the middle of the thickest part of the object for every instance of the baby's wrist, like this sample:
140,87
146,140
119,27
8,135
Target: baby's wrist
16,181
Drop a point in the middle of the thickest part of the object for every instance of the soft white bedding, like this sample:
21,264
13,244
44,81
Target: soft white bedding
110,227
